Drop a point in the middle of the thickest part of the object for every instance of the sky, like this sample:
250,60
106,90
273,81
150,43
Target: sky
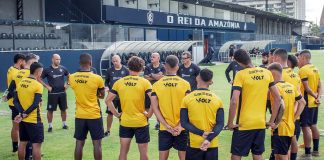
314,10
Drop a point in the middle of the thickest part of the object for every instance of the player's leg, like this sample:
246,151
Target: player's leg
63,108
22,150
241,143
294,148
124,148
258,144
166,140
97,133
126,134
142,136
305,125
51,107
80,134
14,129
37,153
211,154
315,131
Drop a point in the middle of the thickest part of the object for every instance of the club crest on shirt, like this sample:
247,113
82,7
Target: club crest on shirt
190,70
61,70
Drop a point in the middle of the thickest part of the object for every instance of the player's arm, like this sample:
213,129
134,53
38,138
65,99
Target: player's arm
17,104
111,96
233,107
156,110
300,101
11,89
49,88
147,74
35,104
276,103
157,76
307,88
319,92
184,119
150,111
101,93
218,125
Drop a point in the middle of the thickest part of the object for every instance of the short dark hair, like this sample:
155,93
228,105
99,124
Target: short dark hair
242,56
35,66
305,52
206,74
297,54
265,54
85,59
130,55
275,66
18,57
135,64
271,51
293,60
30,56
172,61
187,53
282,53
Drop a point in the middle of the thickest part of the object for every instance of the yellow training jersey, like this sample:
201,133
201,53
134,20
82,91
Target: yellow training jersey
202,108
131,91
291,77
23,73
85,85
290,94
12,72
26,90
311,74
254,85
170,91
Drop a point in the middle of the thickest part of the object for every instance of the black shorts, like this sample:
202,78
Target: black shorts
297,129
83,126
117,105
142,134
309,116
14,112
31,132
167,141
280,144
197,154
244,141
147,102
55,99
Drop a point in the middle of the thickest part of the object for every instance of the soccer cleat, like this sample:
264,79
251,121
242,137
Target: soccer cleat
50,129
315,154
106,134
65,127
305,157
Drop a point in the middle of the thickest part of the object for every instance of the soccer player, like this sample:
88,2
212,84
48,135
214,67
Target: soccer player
188,70
282,136
153,72
292,61
251,86
166,98
312,91
202,115
288,75
27,100
87,87
19,62
265,60
113,74
133,120
270,59
233,67
56,87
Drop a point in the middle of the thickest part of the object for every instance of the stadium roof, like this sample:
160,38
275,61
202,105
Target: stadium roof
241,9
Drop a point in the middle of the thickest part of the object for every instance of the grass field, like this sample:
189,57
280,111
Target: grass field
59,145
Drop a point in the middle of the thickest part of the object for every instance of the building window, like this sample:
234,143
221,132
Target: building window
136,34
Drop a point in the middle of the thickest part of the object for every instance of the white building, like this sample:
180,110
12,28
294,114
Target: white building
292,8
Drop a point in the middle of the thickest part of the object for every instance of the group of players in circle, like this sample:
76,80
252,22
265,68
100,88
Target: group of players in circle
189,116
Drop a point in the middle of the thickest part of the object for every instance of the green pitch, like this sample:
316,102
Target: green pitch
59,144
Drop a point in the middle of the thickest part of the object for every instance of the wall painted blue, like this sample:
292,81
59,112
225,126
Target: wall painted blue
69,59
314,46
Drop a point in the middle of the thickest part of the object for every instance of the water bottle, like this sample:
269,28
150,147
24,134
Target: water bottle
4,96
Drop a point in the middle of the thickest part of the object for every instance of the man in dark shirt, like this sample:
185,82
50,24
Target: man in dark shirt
153,72
233,67
56,87
188,70
113,74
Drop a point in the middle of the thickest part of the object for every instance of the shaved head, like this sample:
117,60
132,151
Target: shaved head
155,57
56,60
304,58
116,61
